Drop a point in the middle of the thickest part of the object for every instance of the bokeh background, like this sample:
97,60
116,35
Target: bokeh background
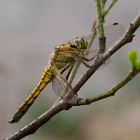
29,30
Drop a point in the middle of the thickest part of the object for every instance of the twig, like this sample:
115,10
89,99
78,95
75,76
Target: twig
108,93
105,11
103,2
99,26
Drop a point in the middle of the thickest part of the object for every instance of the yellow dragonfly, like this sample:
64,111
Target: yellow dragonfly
63,57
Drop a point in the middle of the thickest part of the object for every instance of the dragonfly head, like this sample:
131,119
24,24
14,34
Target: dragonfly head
80,43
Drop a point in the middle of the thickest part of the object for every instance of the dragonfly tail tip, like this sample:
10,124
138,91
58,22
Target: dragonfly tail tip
13,120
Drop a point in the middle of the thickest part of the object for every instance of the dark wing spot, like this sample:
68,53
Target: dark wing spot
115,23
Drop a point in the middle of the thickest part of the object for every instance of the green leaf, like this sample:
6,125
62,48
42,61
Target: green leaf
132,56
138,65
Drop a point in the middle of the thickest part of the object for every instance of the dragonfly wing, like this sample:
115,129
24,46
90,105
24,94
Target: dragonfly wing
60,85
112,33
57,86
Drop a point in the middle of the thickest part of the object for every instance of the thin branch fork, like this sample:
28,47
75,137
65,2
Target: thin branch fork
63,105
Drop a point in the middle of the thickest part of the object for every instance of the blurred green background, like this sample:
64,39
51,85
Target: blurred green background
29,30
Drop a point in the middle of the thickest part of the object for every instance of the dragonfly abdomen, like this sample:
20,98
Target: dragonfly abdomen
47,76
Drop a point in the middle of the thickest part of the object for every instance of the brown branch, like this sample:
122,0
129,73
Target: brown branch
63,105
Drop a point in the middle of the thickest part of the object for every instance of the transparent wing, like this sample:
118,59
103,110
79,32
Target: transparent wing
60,85
61,88
112,33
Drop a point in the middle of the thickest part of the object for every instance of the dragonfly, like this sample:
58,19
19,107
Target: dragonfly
63,58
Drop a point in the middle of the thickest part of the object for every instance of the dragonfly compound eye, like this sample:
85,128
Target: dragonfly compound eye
76,42
81,43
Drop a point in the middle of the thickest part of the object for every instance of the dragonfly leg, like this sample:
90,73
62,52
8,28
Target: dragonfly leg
88,59
87,65
65,68
85,60
68,74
